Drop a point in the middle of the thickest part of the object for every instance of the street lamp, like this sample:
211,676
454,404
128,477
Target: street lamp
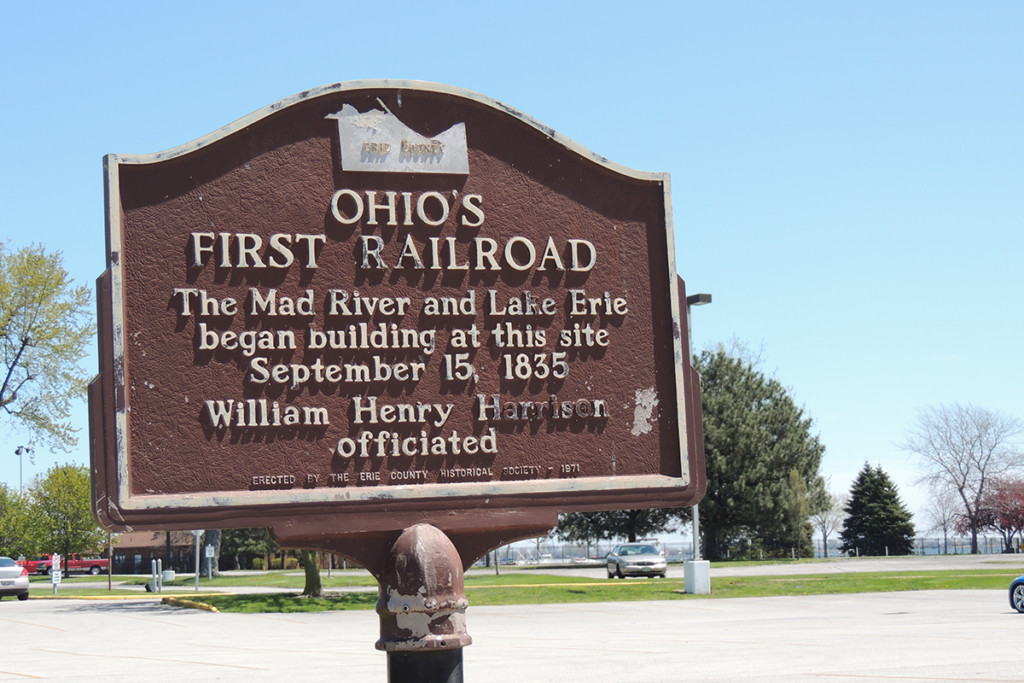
19,451
691,301
698,299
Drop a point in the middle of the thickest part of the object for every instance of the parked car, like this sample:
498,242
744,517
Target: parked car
71,563
636,559
32,563
13,579
1017,594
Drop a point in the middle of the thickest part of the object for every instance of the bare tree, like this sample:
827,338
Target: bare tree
829,517
964,448
943,511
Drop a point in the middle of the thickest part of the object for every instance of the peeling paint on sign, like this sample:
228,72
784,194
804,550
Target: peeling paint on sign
646,402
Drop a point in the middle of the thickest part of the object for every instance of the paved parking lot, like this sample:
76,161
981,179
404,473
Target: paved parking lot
920,636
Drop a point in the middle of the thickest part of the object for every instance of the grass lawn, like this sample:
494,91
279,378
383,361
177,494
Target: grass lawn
528,588
519,587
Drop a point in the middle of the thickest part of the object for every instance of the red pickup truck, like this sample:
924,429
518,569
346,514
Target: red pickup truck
42,564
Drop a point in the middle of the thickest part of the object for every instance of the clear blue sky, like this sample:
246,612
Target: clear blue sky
848,178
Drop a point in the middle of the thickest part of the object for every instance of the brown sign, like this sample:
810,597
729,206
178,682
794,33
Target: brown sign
385,303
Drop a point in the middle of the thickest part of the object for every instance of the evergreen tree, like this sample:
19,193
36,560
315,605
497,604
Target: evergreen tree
877,523
762,462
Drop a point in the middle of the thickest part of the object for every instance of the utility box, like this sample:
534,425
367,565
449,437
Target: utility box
697,577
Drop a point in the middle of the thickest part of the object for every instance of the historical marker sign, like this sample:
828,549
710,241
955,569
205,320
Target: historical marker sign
388,302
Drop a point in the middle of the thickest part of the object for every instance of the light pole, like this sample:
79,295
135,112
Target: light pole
20,451
696,573
691,301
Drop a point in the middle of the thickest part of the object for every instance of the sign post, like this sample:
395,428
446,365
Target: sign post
197,533
386,310
210,555
55,572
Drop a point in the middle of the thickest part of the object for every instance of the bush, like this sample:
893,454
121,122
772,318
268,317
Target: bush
289,563
257,563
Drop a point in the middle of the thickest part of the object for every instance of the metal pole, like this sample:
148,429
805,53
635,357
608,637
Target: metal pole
197,532
422,606
691,301
20,451
696,533
440,666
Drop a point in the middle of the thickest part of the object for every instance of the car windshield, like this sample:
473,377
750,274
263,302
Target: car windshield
638,550
7,562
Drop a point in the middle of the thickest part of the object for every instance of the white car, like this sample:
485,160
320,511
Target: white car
636,559
13,579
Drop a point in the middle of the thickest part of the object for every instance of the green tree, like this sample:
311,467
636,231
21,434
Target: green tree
244,544
62,505
45,327
877,522
18,532
761,458
241,542
796,528
581,527
584,527
310,561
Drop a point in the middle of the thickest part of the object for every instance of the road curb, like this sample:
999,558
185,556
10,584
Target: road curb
191,604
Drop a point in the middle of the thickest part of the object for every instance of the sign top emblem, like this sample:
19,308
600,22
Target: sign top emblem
378,141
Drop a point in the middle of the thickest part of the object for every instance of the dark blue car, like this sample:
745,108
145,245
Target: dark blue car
1017,594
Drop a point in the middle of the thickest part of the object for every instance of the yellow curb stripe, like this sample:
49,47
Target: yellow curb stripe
145,596
192,604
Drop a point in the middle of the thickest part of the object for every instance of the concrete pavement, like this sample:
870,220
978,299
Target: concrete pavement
918,636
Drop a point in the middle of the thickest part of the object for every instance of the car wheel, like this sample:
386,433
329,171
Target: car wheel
23,596
1017,597
618,572
94,570
611,574
662,575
